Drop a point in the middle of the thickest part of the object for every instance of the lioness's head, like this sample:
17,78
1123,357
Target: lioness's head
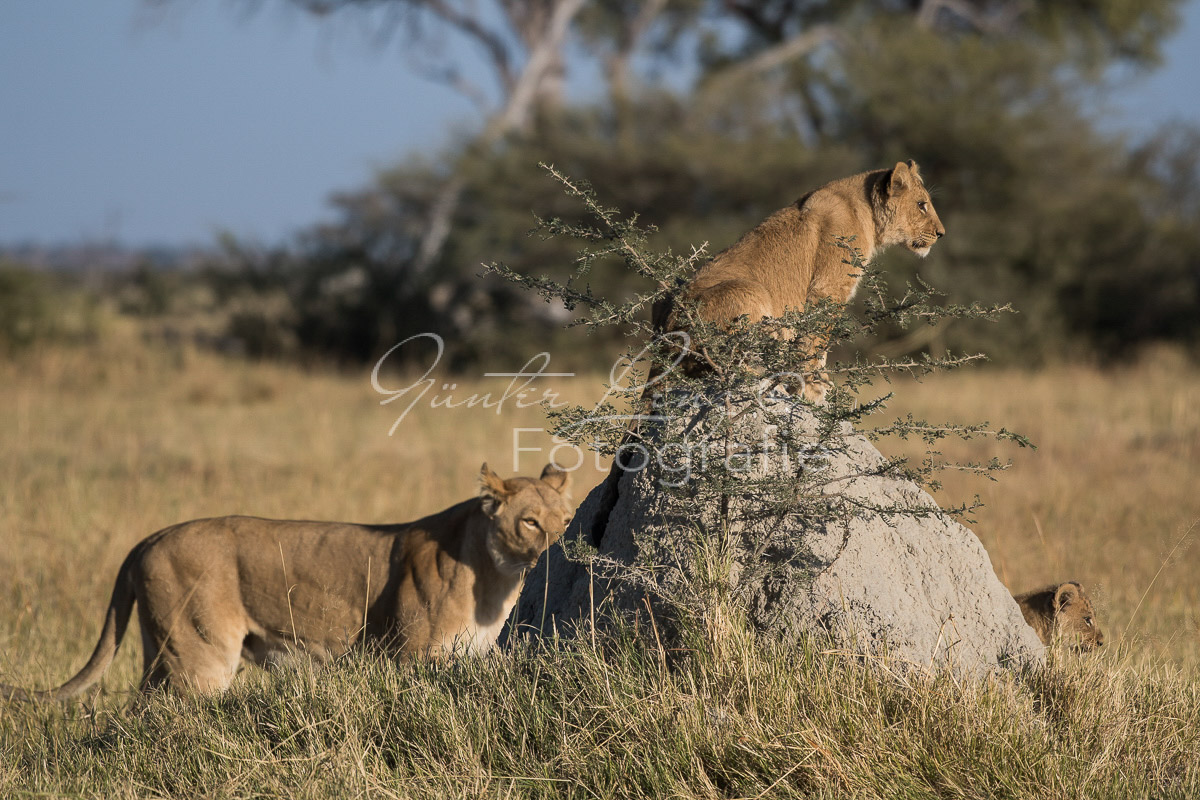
528,515
1074,618
904,213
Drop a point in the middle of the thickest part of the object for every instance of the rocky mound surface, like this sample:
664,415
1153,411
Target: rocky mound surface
892,577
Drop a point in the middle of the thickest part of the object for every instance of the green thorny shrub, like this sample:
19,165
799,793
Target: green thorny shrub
707,467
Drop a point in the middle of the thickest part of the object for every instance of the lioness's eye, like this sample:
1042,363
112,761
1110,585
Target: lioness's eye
1088,621
923,205
530,522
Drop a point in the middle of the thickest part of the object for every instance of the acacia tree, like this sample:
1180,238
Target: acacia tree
524,45
995,98
525,51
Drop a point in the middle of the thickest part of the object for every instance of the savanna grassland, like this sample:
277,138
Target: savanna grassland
101,445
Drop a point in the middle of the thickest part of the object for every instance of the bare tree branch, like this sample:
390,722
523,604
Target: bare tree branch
771,58
617,64
465,22
515,113
542,58
491,41
453,77
1000,20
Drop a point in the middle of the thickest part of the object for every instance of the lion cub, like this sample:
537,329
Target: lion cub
793,258
213,591
1062,610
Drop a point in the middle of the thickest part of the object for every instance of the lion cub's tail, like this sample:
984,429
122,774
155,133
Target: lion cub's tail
115,622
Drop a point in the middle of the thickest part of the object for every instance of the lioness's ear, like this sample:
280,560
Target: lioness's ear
899,180
491,489
558,479
1066,594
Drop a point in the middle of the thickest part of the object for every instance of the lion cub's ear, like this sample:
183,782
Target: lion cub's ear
901,177
492,490
1066,594
558,479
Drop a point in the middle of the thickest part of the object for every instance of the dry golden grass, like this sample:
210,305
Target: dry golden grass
102,446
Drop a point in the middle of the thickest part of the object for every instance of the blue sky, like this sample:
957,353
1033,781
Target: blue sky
120,123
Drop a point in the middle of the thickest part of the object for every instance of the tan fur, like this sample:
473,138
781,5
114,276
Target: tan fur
213,591
792,258
1062,611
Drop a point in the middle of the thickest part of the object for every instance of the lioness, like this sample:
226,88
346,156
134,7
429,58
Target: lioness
212,591
793,257
1062,610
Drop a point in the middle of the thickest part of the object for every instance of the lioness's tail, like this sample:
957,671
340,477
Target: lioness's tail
115,622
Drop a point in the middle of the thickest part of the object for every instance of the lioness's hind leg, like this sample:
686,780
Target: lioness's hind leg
187,648
210,650
155,671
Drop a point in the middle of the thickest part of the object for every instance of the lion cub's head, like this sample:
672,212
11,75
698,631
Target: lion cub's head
528,515
904,213
1063,611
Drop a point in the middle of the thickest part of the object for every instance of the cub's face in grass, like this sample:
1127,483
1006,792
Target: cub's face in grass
1062,612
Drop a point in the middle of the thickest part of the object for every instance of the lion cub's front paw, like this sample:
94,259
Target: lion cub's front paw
815,386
